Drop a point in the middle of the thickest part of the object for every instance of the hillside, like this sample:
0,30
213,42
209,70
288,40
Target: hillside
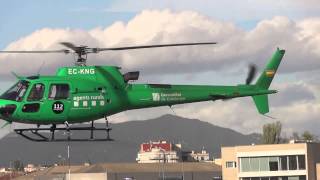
191,133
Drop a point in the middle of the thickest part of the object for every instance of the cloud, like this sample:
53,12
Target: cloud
293,93
236,46
240,11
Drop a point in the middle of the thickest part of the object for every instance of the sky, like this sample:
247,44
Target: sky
247,32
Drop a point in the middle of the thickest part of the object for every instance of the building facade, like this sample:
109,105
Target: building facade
30,168
166,152
271,162
202,156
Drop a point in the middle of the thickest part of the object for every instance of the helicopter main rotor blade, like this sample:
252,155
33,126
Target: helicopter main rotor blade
72,46
83,51
51,51
150,46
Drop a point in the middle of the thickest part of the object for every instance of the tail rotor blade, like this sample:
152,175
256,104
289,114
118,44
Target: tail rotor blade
251,74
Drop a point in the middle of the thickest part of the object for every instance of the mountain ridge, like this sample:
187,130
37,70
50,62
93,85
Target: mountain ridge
193,134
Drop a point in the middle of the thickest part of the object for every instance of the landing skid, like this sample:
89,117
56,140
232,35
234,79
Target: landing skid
38,137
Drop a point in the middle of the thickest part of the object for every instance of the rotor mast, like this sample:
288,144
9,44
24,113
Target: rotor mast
82,58
80,51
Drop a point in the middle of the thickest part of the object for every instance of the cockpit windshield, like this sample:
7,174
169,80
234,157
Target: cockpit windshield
16,92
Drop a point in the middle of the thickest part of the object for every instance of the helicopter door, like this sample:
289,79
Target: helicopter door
31,109
58,102
34,99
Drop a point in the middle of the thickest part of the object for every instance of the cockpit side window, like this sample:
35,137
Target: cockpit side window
36,93
59,91
16,92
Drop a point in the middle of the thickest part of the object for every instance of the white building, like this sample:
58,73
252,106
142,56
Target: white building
30,168
160,151
157,155
5,170
202,156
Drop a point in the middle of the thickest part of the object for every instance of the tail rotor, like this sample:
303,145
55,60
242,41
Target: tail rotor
251,74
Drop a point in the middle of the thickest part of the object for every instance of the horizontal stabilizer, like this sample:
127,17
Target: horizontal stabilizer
261,102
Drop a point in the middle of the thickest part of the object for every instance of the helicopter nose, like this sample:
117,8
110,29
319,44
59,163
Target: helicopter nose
6,109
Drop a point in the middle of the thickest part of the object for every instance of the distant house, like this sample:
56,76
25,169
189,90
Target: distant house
159,151
202,156
30,168
5,170
163,151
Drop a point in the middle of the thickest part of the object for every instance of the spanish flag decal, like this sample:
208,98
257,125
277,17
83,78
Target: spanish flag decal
270,73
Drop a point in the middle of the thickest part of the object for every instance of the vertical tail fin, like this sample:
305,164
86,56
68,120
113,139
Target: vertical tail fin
270,70
265,79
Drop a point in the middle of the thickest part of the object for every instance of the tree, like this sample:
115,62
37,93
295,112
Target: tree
307,136
271,133
17,165
295,136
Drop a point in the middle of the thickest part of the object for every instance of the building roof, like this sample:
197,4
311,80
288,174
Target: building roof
146,147
130,168
267,147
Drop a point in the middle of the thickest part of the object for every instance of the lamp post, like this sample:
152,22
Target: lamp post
10,167
68,149
69,173
161,158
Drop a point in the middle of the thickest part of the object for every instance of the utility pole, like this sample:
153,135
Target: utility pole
10,166
68,150
69,161
164,160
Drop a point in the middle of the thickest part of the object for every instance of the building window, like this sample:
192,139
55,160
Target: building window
264,164
293,178
283,178
254,164
301,162
231,164
283,163
244,164
275,178
59,91
302,177
292,162
273,163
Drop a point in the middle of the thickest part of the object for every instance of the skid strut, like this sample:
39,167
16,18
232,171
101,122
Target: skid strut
34,134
